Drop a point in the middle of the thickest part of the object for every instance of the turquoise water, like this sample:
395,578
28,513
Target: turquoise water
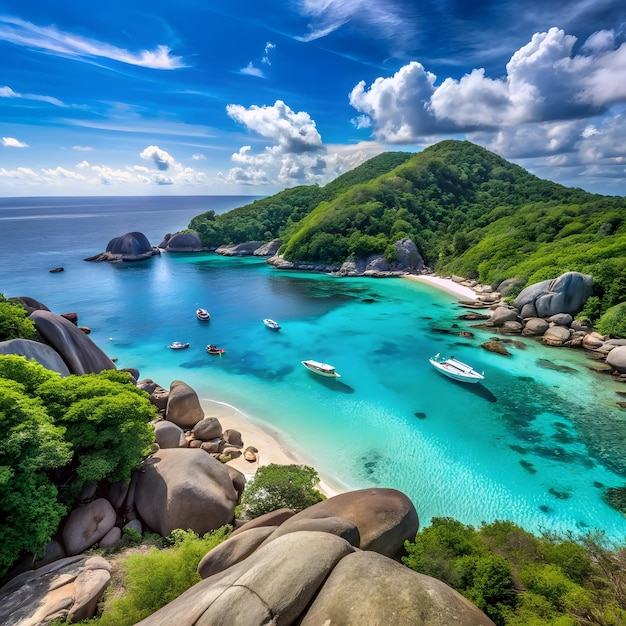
535,443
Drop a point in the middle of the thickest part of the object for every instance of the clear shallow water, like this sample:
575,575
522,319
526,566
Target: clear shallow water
526,445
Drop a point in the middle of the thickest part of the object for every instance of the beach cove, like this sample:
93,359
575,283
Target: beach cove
532,445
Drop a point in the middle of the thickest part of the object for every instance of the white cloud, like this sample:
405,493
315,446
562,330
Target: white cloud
398,106
53,41
381,20
250,70
293,132
160,158
62,173
544,82
11,142
269,46
7,92
295,155
82,148
198,157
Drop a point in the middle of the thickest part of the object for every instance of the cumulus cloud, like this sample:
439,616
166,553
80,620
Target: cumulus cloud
293,132
82,148
295,154
11,142
50,40
545,81
160,158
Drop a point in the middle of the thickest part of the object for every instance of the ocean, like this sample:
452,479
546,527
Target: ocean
536,443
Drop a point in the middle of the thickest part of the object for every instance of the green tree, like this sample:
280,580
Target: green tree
30,446
14,321
280,486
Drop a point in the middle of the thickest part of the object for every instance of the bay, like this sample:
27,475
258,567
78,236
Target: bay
536,443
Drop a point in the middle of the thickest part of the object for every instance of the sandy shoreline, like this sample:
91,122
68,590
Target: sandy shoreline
271,448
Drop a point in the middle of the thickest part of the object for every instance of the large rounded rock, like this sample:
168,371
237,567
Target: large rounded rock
368,588
183,405
207,429
565,294
185,488
169,435
274,518
274,585
535,327
68,589
80,354
616,358
556,336
503,314
183,242
384,518
88,524
37,351
233,550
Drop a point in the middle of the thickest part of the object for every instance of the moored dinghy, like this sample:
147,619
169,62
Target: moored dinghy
203,315
323,369
271,324
455,369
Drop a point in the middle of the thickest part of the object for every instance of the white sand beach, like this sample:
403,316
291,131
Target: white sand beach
463,292
270,447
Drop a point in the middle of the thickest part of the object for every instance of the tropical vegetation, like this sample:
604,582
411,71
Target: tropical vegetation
56,435
519,579
469,211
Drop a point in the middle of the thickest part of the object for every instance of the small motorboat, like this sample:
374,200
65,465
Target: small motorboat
323,369
211,349
455,369
178,345
271,324
203,315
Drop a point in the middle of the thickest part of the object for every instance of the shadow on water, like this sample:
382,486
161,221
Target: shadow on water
477,389
331,383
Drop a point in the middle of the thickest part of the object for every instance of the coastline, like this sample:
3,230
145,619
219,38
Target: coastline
268,442
444,284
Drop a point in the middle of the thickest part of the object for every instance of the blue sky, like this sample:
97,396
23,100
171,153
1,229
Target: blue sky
251,97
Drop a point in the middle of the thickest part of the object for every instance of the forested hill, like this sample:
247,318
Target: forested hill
469,211
275,217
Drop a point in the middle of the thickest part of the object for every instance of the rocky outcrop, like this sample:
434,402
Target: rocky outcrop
408,261
384,518
183,405
241,249
67,589
128,247
616,358
80,354
328,565
368,588
279,262
185,488
268,249
169,435
182,242
87,525
565,294
37,351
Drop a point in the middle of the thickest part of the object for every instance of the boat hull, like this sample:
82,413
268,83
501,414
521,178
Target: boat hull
321,369
447,368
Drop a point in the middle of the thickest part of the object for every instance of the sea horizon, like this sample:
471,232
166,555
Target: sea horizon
525,446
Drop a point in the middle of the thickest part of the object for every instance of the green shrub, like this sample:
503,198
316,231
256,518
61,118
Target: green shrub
613,321
154,579
14,321
280,486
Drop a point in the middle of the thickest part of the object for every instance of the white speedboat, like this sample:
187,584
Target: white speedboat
271,324
203,315
178,345
455,369
323,369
